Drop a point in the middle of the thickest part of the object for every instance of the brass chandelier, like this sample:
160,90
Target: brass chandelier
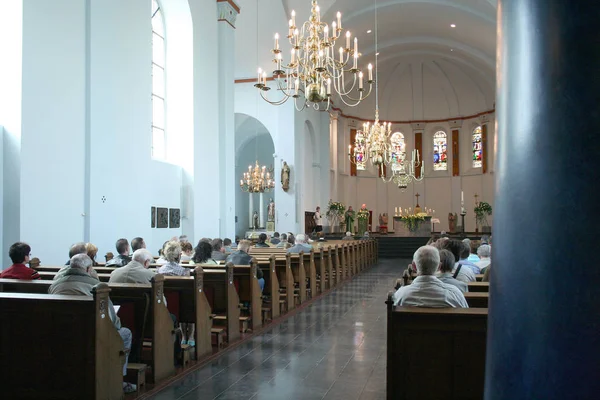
257,179
313,72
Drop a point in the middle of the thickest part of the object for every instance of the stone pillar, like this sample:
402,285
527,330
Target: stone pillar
227,12
333,151
250,210
544,313
261,211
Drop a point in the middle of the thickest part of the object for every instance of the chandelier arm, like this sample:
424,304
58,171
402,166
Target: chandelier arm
275,103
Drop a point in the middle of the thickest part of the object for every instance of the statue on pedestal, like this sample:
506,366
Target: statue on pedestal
452,222
255,220
271,211
285,177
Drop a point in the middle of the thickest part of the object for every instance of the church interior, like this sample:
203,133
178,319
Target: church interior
319,148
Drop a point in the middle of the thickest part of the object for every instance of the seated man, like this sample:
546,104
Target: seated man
456,247
427,290
348,236
300,245
464,259
262,240
77,248
445,271
241,257
218,251
136,271
275,239
137,243
19,253
227,245
484,252
283,244
122,258
76,281
472,250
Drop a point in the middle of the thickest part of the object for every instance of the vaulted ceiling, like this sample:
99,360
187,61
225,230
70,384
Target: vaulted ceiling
427,69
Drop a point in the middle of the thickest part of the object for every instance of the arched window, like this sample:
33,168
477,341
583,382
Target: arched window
359,151
440,151
398,151
477,148
159,137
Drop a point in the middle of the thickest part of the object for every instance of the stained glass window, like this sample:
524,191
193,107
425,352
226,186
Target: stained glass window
440,151
359,151
477,148
398,151
159,138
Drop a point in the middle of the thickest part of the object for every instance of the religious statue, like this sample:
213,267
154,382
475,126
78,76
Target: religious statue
452,222
363,220
255,220
349,219
285,177
271,211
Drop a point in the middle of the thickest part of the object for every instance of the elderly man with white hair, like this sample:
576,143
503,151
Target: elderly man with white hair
485,253
136,271
427,290
300,245
76,281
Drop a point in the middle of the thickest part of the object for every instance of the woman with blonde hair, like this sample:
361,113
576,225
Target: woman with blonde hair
92,250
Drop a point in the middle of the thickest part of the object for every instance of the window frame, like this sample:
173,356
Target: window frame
158,13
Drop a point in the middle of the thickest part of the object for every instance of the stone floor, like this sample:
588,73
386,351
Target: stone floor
332,349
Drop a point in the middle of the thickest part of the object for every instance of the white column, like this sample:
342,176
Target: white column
333,151
261,212
250,210
227,12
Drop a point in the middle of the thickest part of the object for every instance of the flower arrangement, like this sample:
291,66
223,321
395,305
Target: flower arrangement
363,214
482,210
335,209
413,221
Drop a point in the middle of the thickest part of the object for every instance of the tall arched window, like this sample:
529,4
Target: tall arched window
159,137
398,151
477,148
440,151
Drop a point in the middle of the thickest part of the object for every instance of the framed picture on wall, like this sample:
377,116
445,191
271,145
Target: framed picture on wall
152,217
174,218
162,215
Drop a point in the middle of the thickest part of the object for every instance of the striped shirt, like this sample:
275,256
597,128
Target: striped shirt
173,269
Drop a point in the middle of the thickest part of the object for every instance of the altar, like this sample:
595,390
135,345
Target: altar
423,228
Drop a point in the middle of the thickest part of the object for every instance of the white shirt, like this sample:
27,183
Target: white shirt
483,263
465,274
318,218
429,291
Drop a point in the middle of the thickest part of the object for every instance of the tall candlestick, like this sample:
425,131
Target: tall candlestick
326,32
370,72
355,60
293,18
339,19
360,81
341,55
328,85
333,30
277,41
348,40
264,78
293,59
356,46
259,74
296,86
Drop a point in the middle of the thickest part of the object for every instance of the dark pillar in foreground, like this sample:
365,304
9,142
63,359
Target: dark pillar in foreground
544,320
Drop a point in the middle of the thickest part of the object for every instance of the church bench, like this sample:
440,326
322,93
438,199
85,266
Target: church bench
191,305
268,266
77,353
479,277
321,256
49,276
284,277
479,286
444,346
477,299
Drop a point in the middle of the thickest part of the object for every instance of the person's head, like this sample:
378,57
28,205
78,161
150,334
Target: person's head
172,251
300,238
186,248
202,252
244,245
122,247
217,245
226,242
283,237
366,234
81,261
432,241
91,250
183,238
19,253
207,240
467,241
447,261
427,260
161,252
485,239
137,243
262,238
237,239
77,248
454,246
465,251
291,239
276,235
441,242
348,234
318,208
350,208
143,256
484,251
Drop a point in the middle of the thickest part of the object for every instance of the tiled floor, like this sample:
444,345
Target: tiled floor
333,349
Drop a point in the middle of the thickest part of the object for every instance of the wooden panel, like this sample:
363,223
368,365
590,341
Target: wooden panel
309,222
352,139
455,153
419,148
484,150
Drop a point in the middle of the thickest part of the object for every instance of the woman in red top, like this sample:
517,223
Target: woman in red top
19,253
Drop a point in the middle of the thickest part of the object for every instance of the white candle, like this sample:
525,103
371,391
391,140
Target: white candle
339,19
318,10
296,37
396,210
293,18
370,72
355,60
356,46
349,149
293,60
328,85
296,86
326,32
348,39
462,197
360,81
341,55
277,41
259,73
291,28
333,29
264,78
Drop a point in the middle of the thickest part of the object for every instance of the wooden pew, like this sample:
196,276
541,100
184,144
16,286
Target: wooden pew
226,301
193,307
269,269
479,286
77,348
477,299
435,353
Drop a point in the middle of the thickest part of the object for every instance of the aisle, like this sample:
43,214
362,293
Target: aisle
333,349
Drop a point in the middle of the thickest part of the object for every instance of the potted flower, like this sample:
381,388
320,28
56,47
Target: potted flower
482,210
335,210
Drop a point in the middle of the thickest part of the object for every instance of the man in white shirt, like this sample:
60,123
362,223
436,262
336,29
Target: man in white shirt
460,272
427,290
318,220
484,252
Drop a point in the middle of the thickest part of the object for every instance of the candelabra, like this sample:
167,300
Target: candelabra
257,179
313,72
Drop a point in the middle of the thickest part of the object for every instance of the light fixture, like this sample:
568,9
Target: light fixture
257,179
313,72
369,31
452,26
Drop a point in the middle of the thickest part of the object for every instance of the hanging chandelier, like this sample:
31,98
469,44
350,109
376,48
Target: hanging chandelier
403,170
257,179
313,73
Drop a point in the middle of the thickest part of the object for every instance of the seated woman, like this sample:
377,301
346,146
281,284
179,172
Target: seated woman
186,251
19,254
92,251
161,254
202,254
